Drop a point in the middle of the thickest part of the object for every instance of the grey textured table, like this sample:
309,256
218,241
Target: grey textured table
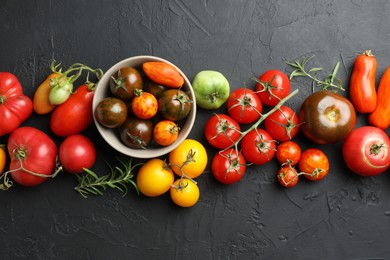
342,217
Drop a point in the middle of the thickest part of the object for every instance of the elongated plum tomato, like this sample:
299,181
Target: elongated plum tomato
163,73
326,117
366,151
76,153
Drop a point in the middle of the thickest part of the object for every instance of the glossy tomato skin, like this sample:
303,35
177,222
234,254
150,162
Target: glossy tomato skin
144,105
111,112
287,176
314,164
228,166
174,104
283,124
288,153
366,151
37,152
221,131
15,107
137,133
75,114
163,73
272,86
244,105
77,152
326,117
258,146
165,132
184,193
125,82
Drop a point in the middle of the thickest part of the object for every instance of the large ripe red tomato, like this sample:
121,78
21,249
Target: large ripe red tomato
283,124
314,164
221,131
272,86
244,105
258,147
76,153
31,152
228,166
326,117
366,151
75,114
15,107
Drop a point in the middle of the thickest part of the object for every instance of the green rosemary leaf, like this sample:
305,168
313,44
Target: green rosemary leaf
297,73
313,70
91,173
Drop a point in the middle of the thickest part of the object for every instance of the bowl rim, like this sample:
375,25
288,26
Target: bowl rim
107,133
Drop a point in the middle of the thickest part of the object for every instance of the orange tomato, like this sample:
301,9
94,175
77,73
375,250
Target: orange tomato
184,193
165,132
41,102
3,158
163,73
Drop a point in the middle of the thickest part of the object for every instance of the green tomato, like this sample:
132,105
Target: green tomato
211,89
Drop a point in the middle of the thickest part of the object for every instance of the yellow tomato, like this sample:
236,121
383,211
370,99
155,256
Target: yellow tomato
190,156
3,158
154,178
184,193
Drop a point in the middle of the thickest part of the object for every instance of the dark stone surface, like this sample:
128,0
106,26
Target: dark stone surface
342,217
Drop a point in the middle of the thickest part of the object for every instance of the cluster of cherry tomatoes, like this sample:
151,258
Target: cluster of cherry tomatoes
258,145
145,109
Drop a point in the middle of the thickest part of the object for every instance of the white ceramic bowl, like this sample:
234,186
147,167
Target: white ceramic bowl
111,136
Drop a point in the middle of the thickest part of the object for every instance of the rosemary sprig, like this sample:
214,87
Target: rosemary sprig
118,178
326,84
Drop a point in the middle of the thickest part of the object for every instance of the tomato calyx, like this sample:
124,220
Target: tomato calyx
263,145
289,125
2,99
244,102
137,140
284,174
267,86
183,98
138,92
119,81
223,127
376,148
234,164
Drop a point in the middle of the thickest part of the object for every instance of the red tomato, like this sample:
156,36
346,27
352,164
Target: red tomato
272,86
228,166
144,105
283,124
258,147
15,107
77,152
288,153
314,164
221,131
366,151
32,152
75,114
287,176
244,105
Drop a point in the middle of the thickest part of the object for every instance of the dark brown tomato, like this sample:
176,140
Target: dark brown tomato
137,133
111,112
326,117
124,82
174,104
154,88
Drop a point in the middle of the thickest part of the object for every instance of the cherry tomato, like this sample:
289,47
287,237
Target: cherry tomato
174,104
289,153
76,153
228,166
287,176
154,178
137,133
244,106
314,164
258,147
184,193
221,131
165,132
190,157
326,117
31,151
144,105
283,124
366,151
111,112
272,86
125,82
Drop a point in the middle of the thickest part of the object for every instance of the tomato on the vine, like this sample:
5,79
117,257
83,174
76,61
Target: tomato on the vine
221,131
184,192
76,153
314,164
144,105
244,106
287,176
228,166
258,146
289,153
283,124
154,178
272,86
